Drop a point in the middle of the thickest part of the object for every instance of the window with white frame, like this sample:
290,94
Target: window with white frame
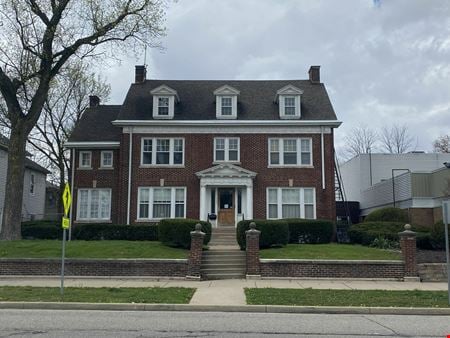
291,203
106,159
94,204
85,159
32,182
161,202
226,105
289,106
226,149
290,152
162,151
163,106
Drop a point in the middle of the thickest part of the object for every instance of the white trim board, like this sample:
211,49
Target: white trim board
209,123
233,129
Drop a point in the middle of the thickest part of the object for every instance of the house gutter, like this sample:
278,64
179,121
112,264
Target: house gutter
200,123
130,153
71,193
322,153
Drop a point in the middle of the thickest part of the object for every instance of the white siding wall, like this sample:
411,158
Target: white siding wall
32,204
356,173
380,194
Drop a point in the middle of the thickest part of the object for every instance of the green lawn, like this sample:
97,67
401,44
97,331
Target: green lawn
329,251
378,298
88,249
97,295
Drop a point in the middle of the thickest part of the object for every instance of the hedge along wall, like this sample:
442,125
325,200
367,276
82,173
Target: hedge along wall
95,267
176,232
273,232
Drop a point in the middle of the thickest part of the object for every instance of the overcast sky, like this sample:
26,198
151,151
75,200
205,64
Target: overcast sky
382,62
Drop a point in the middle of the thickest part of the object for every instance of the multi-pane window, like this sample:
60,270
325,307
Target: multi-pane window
291,203
290,151
162,151
85,159
163,106
159,202
94,204
227,105
107,159
226,150
289,105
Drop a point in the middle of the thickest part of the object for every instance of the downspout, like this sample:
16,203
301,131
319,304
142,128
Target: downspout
130,153
322,150
71,192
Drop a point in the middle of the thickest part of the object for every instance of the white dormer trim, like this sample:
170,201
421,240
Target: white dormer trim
164,91
223,93
283,95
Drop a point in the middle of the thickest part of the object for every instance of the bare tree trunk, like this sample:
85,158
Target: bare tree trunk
61,187
12,214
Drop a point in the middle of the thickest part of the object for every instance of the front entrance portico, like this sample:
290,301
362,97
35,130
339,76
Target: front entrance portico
226,190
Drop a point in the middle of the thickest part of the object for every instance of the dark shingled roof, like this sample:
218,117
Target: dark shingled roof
255,102
4,143
95,125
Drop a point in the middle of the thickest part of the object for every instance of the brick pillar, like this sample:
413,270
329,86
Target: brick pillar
408,247
195,254
252,251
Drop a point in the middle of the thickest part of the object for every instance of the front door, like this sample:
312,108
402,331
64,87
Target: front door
226,206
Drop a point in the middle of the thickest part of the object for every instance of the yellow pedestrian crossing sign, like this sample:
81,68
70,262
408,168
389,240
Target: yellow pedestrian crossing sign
65,223
67,199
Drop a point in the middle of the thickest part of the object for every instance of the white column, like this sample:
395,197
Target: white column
202,203
249,213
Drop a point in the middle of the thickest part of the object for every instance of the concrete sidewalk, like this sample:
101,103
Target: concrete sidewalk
223,292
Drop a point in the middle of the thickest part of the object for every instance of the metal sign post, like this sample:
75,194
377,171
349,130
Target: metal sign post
67,201
446,219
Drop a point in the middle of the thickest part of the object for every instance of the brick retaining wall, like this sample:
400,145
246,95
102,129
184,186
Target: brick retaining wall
95,267
331,268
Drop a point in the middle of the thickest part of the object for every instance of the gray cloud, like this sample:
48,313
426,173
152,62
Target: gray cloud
382,64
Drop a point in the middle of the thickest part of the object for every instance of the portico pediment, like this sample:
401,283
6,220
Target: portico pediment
226,170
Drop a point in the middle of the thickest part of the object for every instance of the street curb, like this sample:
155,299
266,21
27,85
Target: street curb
225,308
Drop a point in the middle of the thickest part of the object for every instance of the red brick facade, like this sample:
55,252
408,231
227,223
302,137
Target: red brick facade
198,155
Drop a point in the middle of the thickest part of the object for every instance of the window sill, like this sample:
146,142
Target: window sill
106,168
273,166
80,221
162,166
163,117
84,168
153,220
229,162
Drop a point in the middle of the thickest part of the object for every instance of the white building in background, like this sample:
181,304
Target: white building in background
33,204
367,178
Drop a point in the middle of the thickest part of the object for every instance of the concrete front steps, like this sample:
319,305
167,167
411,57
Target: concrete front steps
224,259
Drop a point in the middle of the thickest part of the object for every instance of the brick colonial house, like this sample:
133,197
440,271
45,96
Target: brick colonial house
227,150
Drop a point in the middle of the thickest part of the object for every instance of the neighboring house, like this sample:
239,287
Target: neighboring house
223,150
367,179
33,188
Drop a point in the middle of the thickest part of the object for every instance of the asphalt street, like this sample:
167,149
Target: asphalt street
69,323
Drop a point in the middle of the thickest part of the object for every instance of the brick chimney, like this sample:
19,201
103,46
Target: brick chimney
314,74
94,101
140,74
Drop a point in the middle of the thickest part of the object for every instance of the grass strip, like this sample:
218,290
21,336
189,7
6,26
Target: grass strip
89,249
97,295
358,298
329,251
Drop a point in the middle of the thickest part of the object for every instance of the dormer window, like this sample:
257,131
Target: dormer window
164,99
288,99
226,102
227,106
163,106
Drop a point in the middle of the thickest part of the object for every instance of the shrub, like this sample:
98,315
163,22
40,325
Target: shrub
273,232
388,215
96,231
383,243
176,232
437,235
309,231
367,232
41,230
